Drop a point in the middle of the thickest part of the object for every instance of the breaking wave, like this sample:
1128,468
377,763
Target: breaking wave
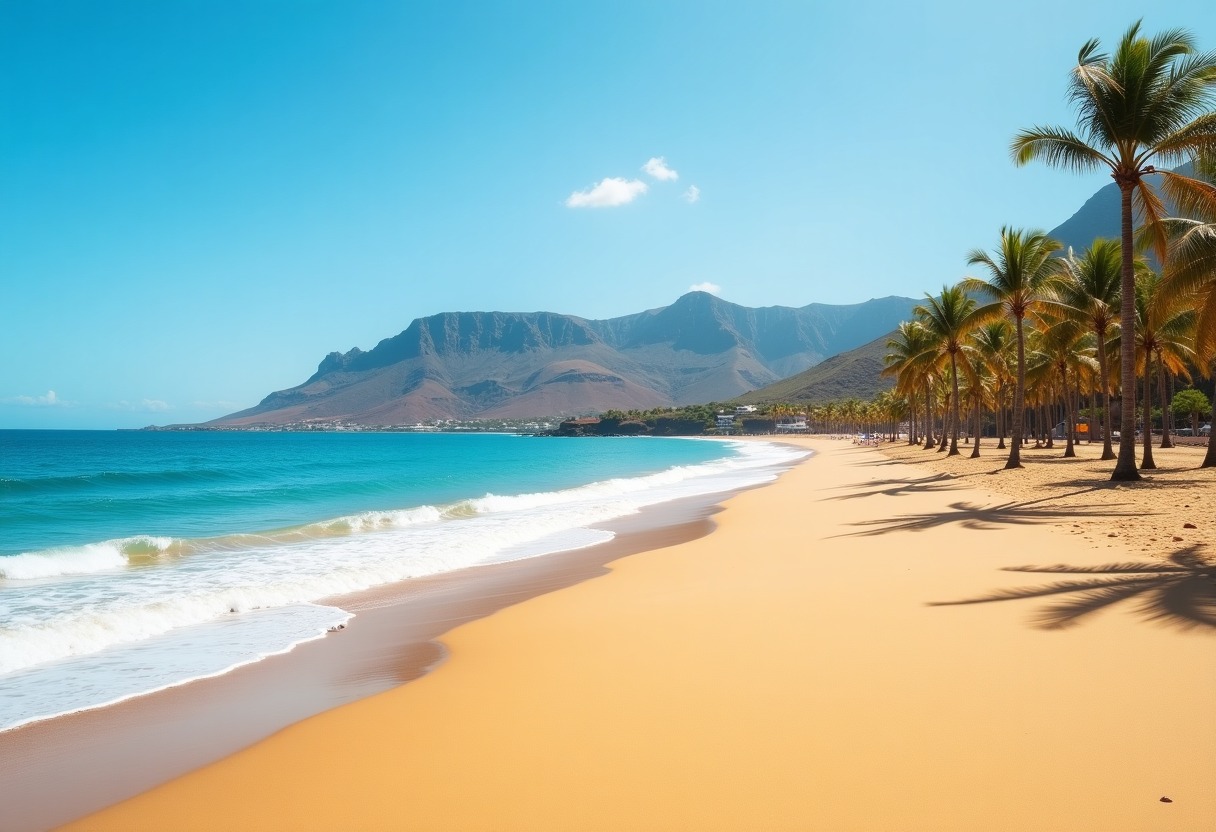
60,606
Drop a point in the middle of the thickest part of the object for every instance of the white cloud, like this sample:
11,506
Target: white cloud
692,194
49,400
143,405
610,192
657,167
712,288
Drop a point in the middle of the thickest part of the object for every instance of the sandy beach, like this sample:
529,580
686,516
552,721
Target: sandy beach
1149,517
807,665
58,770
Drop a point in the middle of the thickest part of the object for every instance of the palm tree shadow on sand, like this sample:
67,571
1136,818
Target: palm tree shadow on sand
1179,593
980,517
902,485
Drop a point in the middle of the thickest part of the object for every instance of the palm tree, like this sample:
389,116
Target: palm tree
948,318
1062,344
898,408
1190,273
992,342
850,411
1164,326
830,413
1020,273
908,361
929,379
941,401
1147,103
978,390
1089,291
1042,386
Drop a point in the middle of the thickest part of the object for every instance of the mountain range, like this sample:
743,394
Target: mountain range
699,349
518,365
855,374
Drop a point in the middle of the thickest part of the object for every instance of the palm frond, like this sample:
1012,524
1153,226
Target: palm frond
1058,147
1151,211
1191,197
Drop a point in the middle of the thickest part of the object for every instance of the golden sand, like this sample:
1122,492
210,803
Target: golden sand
785,672
1149,517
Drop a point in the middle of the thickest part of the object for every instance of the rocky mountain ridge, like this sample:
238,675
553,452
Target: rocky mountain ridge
510,365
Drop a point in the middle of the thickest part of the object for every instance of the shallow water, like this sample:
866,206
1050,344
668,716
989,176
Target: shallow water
134,561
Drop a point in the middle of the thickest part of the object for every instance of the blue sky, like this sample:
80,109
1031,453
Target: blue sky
199,200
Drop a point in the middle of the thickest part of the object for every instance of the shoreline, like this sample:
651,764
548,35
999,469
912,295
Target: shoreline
852,648
55,770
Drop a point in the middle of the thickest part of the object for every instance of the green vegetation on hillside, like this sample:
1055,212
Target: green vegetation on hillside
851,375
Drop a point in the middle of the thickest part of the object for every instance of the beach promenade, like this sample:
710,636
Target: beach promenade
794,669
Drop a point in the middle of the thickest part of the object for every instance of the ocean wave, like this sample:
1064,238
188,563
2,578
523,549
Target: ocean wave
83,560
153,664
79,613
139,550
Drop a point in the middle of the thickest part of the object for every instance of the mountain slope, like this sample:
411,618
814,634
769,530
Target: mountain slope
1100,215
502,365
852,374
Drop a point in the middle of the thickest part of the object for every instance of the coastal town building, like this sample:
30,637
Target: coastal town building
791,424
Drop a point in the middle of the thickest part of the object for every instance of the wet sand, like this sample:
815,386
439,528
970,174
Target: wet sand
857,647
61,769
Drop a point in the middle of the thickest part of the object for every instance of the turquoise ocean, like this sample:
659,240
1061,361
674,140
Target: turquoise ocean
135,561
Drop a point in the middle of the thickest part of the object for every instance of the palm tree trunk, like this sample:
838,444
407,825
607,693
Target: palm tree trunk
943,441
1147,464
1076,409
1125,467
975,448
954,405
1169,396
1093,412
1166,441
1069,424
1000,417
1209,459
1019,402
1107,451
1078,401
1049,422
930,416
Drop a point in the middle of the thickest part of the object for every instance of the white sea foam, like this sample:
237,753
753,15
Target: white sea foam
87,605
367,521
141,667
80,560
